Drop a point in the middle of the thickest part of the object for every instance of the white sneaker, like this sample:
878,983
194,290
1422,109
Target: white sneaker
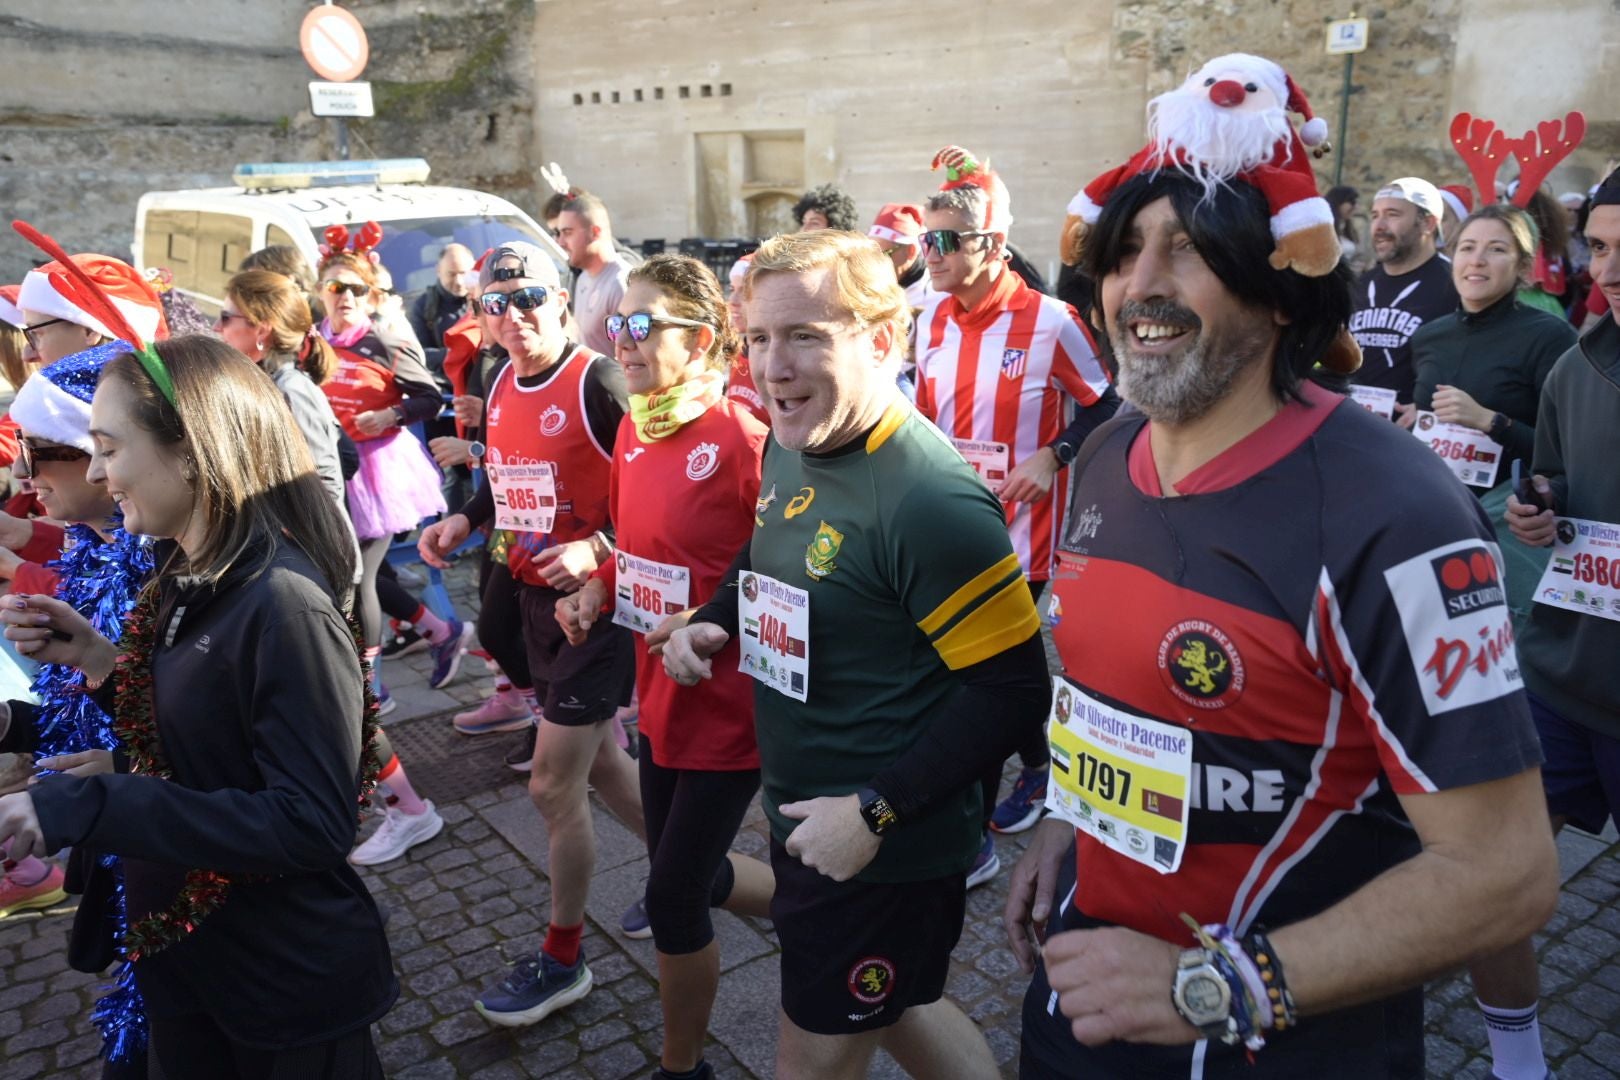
398,833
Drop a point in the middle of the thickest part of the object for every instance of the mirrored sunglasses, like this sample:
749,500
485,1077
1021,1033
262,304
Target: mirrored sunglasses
525,299
641,324
946,241
353,288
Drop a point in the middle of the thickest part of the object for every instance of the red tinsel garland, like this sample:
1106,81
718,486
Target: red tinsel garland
136,726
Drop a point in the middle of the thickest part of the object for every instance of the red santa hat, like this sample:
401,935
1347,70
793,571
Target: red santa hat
1192,129
963,170
739,271
1459,198
52,291
9,311
898,223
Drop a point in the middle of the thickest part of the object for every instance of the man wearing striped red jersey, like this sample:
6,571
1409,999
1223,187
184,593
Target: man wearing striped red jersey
556,404
1301,725
883,610
997,363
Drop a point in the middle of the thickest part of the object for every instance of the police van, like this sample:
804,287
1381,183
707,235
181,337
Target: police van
202,235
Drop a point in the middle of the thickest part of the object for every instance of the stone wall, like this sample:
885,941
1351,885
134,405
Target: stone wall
692,119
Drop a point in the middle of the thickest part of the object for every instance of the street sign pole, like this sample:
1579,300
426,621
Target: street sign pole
334,44
342,127
1346,36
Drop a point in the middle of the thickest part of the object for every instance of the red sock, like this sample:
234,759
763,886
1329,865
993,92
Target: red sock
393,774
562,943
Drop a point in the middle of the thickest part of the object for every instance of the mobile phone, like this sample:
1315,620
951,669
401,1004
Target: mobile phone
1524,489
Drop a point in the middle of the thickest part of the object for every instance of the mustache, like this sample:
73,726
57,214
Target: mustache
1167,312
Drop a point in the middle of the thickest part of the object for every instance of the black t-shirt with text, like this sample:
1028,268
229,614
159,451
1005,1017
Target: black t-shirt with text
1389,309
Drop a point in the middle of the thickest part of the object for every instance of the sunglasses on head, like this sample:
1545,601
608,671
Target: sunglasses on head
525,299
353,288
29,452
641,324
947,241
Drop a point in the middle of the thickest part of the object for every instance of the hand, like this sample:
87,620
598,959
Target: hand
20,833
1531,525
51,632
441,538
1031,480
376,421
469,409
9,562
831,836
1030,889
1405,415
87,763
566,566
1454,406
15,532
1115,983
688,650
660,633
578,612
448,450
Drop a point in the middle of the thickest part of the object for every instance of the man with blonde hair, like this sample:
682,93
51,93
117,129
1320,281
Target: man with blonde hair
885,616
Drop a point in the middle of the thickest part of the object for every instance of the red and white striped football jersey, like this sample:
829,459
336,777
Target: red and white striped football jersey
994,381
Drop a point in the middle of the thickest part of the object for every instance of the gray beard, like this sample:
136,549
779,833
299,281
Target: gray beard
1181,388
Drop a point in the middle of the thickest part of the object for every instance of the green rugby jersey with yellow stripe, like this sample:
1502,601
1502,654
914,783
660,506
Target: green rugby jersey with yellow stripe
905,555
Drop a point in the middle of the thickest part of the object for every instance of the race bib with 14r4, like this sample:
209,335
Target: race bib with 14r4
775,644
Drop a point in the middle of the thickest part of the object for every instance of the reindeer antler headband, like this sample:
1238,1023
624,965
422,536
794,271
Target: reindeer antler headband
1484,148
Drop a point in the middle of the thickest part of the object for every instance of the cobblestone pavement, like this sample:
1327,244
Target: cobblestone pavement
464,903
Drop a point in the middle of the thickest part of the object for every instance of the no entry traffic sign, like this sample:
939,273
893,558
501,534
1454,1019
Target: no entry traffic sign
334,43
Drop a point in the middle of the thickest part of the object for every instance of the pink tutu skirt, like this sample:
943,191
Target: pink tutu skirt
396,486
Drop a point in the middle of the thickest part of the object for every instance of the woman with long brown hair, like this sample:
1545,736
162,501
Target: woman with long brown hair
241,704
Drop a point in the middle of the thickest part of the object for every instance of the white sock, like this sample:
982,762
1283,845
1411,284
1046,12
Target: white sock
1515,1036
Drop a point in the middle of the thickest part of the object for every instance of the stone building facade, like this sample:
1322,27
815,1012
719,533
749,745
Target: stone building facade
699,119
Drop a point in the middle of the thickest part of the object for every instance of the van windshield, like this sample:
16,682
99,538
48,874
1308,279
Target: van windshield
411,246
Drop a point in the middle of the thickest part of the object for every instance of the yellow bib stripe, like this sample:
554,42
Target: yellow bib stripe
1006,619
893,417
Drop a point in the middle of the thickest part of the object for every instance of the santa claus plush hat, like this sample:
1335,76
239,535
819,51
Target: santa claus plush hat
9,311
963,170
54,403
898,223
52,291
1181,123
1460,198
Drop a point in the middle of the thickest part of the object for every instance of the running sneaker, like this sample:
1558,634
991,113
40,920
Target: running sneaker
521,757
44,893
447,654
404,642
1024,807
634,923
385,702
504,710
704,1071
536,987
986,864
398,833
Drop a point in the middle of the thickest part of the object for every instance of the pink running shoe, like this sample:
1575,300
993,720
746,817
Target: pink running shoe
502,711
44,893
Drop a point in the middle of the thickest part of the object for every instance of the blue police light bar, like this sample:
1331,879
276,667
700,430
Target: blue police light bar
281,175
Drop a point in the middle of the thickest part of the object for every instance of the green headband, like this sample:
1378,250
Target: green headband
157,371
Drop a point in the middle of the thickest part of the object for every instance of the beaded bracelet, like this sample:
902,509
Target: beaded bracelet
1258,946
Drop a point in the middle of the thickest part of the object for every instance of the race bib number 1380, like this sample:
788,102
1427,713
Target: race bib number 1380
1122,778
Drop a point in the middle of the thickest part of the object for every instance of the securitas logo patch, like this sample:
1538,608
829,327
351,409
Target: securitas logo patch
1468,581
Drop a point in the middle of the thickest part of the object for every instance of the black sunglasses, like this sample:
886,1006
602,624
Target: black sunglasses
526,299
29,452
641,323
353,288
947,241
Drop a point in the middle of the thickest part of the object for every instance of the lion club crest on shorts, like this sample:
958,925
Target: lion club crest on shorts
702,461
871,980
1200,665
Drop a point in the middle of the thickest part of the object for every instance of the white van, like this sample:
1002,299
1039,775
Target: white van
204,233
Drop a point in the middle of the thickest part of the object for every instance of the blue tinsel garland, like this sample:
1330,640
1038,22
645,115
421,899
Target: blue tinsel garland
101,580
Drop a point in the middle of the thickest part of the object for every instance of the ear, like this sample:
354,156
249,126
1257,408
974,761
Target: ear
884,341
704,342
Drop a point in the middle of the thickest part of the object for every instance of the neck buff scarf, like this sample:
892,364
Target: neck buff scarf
661,414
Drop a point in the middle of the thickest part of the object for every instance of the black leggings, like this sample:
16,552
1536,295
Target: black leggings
397,604
500,622
194,1048
1034,752
692,818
